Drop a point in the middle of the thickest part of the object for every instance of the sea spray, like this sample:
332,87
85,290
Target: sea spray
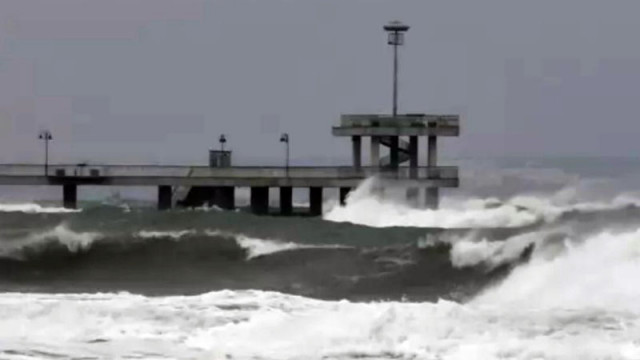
268,325
599,272
34,208
366,207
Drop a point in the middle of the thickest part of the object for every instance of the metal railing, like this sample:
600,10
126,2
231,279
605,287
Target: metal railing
338,172
402,120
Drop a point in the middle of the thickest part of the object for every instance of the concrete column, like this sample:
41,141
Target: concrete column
432,154
344,192
315,200
225,197
165,193
412,193
70,196
260,200
413,152
394,152
286,200
375,151
432,198
357,151
412,196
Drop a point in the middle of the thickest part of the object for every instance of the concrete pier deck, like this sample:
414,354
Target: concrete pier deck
216,185
399,125
237,176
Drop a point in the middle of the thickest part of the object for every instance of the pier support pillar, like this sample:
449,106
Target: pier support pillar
315,200
413,155
70,196
432,151
394,151
432,200
344,192
357,151
286,200
432,195
165,193
225,198
374,157
412,193
260,200
413,196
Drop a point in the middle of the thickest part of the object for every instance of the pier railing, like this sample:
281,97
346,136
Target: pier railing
179,171
401,120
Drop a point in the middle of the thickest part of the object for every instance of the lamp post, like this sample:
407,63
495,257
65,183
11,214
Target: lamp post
395,32
285,139
222,141
45,135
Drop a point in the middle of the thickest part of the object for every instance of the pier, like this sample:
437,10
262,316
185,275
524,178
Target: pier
216,184
394,143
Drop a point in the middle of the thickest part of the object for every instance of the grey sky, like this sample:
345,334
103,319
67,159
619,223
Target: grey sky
156,80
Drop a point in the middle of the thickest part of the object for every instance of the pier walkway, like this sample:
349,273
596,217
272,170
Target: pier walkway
239,176
216,185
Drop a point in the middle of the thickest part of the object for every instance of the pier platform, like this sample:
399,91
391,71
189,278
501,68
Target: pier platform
216,185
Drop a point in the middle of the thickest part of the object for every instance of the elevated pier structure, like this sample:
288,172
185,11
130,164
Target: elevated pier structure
192,186
401,135
223,181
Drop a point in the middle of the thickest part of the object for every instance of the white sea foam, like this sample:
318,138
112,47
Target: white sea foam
256,324
599,272
257,247
468,251
261,247
365,207
580,304
33,208
61,234
175,234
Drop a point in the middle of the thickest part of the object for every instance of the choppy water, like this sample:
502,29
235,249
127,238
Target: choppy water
536,275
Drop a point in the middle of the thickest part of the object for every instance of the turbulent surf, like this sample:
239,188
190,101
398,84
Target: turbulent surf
524,277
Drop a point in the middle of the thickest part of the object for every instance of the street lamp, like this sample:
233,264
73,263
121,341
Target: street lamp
46,136
395,32
285,139
222,141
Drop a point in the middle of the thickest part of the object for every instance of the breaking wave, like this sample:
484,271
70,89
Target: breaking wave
596,272
372,248
537,276
33,208
365,207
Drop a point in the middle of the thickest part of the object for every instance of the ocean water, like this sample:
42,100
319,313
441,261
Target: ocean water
520,263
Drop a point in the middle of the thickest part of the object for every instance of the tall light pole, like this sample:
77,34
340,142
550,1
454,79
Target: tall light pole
45,135
395,32
222,140
285,139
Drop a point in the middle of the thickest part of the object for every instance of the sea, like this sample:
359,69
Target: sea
529,259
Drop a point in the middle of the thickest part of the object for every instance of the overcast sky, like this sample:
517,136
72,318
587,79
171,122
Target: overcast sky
141,81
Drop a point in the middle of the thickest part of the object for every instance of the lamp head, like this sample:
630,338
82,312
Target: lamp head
396,30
